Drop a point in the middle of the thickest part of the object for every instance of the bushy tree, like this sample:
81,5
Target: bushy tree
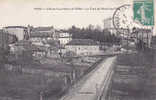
94,33
4,53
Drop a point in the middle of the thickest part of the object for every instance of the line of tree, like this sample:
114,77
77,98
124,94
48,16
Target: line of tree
94,33
4,48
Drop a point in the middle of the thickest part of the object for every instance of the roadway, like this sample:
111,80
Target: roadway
89,87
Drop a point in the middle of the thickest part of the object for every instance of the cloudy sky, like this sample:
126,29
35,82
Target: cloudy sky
23,12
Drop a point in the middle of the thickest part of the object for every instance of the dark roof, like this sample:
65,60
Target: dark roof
82,42
42,29
16,27
40,34
58,31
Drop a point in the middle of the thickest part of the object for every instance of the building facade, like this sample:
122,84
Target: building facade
108,24
19,31
83,47
42,32
64,38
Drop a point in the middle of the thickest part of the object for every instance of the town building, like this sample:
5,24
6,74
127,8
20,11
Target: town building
144,36
40,35
19,31
45,41
64,38
108,24
43,32
83,47
40,51
49,33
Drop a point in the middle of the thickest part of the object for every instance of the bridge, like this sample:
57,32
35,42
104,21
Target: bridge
94,84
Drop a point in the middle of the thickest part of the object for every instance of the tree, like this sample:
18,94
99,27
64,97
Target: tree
14,39
90,27
94,33
4,48
4,53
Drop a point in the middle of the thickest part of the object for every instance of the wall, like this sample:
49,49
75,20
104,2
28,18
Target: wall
84,49
64,41
19,32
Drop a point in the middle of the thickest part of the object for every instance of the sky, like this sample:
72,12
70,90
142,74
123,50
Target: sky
23,12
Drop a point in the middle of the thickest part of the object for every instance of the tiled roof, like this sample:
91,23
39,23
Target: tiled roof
82,42
58,31
16,27
40,34
42,29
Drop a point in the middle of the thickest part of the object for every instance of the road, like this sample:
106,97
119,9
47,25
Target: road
89,88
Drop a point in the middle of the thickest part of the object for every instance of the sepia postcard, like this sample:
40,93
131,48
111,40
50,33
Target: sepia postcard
77,50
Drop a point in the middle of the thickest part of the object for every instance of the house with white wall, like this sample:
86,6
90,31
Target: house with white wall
19,31
83,47
64,37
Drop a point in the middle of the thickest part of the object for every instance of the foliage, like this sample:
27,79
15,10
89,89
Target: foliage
93,33
4,52
29,86
22,56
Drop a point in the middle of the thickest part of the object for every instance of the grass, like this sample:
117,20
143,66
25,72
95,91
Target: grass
146,58
135,75
28,87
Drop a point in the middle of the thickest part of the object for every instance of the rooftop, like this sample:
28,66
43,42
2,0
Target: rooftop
40,34
42,28
15,27
82,42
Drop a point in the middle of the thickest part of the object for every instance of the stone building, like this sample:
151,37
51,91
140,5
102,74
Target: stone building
83,47
20,31
108,24
64,38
